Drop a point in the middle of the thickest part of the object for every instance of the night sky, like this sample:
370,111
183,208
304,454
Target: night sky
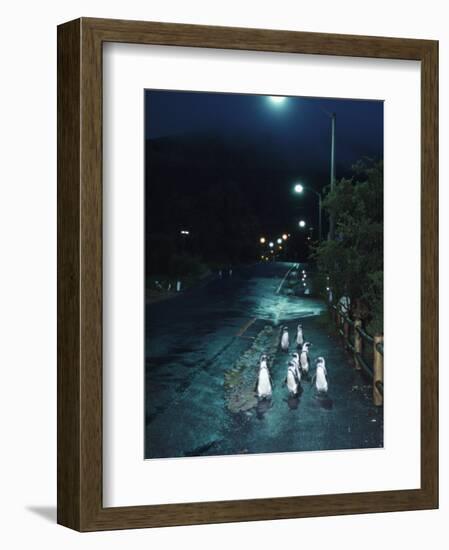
260,149
298,124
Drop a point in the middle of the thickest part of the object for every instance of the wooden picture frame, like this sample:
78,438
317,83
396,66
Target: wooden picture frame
80,504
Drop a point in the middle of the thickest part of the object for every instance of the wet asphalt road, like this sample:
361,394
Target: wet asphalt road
192,340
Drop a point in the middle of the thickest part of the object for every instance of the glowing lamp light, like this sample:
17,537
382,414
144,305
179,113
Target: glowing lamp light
271,244
279,241
285,236
262,240
302,223
299,188
277,99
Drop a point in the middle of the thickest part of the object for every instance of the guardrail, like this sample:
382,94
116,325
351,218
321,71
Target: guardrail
357,341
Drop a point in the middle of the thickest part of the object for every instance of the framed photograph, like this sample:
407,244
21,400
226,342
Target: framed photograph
245,216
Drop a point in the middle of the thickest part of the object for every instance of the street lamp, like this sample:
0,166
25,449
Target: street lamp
299,188
271,244
262,240
277,99
279,241
285,236
302,223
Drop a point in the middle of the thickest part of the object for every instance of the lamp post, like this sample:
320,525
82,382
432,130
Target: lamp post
278,100
331,217
299,188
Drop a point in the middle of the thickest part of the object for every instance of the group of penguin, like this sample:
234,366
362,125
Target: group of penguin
298,367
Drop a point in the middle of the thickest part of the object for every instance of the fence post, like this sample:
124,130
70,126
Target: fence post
358,342
378,371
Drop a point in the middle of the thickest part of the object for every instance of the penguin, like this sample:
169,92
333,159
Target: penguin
295,360
299,337
320,376
264,386
304,360
284,339
293,380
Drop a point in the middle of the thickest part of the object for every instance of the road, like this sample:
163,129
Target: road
195,339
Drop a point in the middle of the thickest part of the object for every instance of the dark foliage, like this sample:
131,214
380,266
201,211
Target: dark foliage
354,260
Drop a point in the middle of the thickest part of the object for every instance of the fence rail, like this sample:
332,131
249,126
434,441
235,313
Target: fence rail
356,340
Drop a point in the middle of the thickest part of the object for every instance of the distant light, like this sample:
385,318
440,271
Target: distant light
280,248
299,188
304,284
185,232
302,223
308,238
304,276
262,257
272,251
279,241
277,99
327,288
262,240
271,244
285,236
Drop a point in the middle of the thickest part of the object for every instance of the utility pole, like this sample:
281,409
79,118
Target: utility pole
332,182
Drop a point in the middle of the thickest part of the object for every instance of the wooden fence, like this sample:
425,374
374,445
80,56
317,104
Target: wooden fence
368,350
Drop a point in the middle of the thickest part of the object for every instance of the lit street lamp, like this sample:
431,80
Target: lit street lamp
262,240
299,188
279,241
271,244
285,236
277,99
302,223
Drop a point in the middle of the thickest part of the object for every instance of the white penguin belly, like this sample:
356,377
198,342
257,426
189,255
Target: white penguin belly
304,361
297,370
299,338
284,341
264,384
321,381
292,385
